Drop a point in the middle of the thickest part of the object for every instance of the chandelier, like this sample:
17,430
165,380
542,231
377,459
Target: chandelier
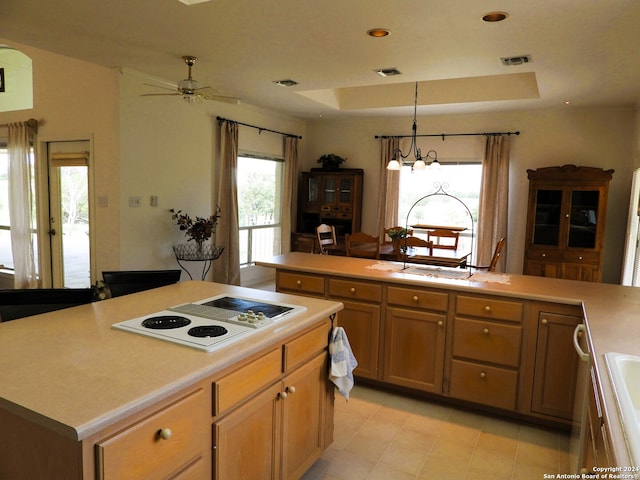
418,162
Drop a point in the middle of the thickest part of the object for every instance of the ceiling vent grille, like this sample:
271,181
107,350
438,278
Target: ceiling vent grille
285,83
388,72
510,61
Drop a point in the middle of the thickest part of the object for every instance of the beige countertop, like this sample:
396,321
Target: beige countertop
612,311
71,372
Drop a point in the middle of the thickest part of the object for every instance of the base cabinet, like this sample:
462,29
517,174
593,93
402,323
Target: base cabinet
556,364
596,452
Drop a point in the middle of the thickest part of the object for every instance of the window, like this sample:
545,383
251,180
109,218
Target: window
6,255
259,205
461,180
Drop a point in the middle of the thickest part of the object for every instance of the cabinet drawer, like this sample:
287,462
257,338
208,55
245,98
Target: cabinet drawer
487,341
493,386
545,255
370,292
306,346
575,257
489,308
140,451
302,283
415,298
236,386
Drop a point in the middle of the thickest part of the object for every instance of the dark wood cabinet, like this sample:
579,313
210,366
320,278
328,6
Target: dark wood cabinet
565,222
331,197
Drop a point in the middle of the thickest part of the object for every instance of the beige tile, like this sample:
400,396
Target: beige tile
387,472
349,466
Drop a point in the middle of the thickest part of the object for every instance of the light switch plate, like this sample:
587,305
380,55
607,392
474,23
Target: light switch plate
135,201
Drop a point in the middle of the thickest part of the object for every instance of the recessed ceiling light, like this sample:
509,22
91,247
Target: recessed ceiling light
285,83
492,17
388,72
192,2
378,32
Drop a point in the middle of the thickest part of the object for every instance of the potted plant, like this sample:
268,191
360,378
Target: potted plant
396,234
331,161
199,229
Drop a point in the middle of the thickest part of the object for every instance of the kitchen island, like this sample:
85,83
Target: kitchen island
81,400
495,341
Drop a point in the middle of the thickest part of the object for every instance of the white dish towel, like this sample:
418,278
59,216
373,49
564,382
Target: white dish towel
342,362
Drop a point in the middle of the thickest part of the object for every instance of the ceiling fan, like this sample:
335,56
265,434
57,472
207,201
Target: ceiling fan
190,89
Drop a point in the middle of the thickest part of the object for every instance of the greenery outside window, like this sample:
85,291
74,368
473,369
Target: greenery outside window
259,207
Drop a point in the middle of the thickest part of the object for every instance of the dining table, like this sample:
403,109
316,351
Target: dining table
421,255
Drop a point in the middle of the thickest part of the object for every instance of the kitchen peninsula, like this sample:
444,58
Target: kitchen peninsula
81,400
494,341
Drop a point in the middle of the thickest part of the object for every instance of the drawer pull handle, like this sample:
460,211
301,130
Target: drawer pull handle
485,331
440,323
580,258
544,321
165,433
487,308
283,395
291,389
483,375
353,290
415,298
299,283
543,255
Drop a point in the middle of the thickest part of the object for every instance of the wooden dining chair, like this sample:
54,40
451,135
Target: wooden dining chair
326,237
362,245
443,238
412,242
497,253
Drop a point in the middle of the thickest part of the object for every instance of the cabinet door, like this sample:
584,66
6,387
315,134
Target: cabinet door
303,417
583,218
345,190
556,366
247,441
547,217
330,189
361,321
414,349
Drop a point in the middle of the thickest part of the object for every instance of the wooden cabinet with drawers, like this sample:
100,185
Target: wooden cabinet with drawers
486,351
565,222
273,417
360,319
415,326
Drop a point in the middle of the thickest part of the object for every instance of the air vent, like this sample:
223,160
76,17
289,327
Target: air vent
509,61
285,83
388,72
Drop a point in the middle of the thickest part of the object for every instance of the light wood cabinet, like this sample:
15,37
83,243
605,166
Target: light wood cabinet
280,432
597,452
486,351
334,198
414,338
360,318
566,222
169,442
555,362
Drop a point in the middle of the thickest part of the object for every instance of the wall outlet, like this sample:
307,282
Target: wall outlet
135,201
154,200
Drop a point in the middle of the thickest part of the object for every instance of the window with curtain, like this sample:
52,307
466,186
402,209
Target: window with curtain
6,257
461,180
260,181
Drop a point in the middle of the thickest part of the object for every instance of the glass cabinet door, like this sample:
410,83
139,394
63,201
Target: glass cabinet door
583,218
329,190
345,190
546,229
313,187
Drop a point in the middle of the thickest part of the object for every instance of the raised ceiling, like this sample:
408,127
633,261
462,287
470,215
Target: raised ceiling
582,51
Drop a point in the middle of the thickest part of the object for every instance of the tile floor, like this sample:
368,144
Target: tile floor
386,436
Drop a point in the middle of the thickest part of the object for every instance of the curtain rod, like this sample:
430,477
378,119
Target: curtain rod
220,119
32,123
486,134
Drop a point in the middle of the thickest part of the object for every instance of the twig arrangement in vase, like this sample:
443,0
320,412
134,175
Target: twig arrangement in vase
201,229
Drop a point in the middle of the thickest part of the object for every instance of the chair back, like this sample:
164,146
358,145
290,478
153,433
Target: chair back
20,303
362,245
412,242
132,281
326,237
496,254
444,238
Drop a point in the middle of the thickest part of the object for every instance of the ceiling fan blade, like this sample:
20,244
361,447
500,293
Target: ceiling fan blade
160,86
219,98
160,94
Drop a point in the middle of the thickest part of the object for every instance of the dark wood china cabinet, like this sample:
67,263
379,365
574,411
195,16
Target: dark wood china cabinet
566,222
